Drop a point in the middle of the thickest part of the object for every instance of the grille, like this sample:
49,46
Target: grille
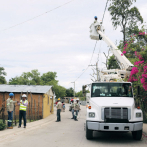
116,113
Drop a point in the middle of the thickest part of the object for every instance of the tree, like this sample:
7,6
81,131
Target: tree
112,63
34,78
139,43
2,74
69,92
123,15
60,91
27,78
48,77
79,94
138,75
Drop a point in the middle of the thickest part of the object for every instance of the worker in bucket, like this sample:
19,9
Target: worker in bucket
10,108
95,19
22,110
59,107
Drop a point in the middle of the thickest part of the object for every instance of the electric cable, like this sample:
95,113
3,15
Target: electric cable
95,44
105,11
37,16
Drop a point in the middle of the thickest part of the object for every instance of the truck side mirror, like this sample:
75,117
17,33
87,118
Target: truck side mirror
138,90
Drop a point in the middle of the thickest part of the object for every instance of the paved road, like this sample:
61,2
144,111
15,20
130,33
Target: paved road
69,133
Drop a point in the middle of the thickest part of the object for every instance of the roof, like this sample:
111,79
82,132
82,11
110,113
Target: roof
25,88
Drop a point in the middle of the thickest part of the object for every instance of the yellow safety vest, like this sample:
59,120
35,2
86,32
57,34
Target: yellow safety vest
22,107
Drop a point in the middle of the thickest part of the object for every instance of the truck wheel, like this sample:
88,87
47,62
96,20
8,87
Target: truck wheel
137,135
89,133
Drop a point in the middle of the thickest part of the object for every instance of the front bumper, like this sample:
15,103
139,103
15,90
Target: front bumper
97,126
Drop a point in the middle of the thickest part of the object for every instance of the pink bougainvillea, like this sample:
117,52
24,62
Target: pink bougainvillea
134,71
138,62
124,52
139,71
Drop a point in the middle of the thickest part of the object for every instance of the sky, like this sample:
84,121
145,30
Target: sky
57,41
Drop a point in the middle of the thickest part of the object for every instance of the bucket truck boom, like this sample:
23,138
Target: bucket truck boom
97,33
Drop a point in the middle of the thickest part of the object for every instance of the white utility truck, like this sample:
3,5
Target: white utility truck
111,105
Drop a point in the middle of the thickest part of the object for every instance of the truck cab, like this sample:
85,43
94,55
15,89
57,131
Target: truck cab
111,107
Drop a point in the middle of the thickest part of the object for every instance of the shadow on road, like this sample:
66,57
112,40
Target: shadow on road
114,138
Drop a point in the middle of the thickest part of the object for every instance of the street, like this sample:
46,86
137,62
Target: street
69,133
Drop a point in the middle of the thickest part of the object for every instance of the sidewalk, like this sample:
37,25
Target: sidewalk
5,134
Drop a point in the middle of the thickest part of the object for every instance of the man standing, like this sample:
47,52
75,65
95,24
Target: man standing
72,108
10,108
76,109
59,107
22,110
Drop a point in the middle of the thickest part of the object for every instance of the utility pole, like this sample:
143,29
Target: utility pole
97,71
74,88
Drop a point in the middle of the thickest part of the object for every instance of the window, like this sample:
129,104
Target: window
48,100
111,90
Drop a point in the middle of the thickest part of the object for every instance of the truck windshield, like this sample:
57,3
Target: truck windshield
111,90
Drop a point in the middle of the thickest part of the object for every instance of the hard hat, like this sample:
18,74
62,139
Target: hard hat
95,16
71,99
77,99
58,99
24,95
11,94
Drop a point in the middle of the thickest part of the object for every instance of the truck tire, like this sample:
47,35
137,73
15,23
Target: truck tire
137,135
89,133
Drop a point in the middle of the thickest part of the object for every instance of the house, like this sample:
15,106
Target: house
40,99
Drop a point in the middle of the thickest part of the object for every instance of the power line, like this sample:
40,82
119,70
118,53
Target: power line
37,16
105,11
95,44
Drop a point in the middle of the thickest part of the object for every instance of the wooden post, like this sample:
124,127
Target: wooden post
38,105
27,108
35,109
14,113
3,108
29,112
31,105
20,95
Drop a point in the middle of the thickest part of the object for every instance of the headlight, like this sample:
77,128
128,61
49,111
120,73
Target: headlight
138,114
91,114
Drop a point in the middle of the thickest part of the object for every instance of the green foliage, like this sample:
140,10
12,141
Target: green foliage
112,63
27,78
79,94
70,92
82,98
2,74
48,77
124,15
34,78
2,125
